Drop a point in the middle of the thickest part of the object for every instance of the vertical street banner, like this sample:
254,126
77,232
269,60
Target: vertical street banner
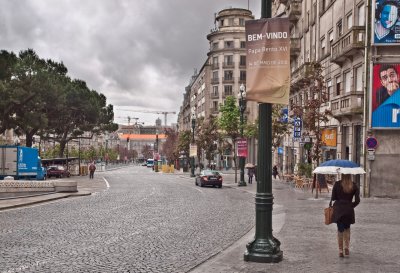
268,60
385,96
386,22
242,147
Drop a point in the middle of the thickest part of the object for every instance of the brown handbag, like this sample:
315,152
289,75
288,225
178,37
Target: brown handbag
328,215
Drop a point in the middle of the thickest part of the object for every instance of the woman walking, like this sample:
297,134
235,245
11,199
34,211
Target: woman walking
343,210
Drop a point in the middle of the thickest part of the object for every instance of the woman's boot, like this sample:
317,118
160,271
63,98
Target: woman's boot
340,243
346,239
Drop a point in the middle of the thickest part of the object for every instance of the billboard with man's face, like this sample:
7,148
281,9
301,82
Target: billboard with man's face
385,97
387,23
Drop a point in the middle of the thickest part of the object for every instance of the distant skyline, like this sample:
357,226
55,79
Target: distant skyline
139,53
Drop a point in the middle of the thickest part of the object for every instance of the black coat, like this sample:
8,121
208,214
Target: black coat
343,208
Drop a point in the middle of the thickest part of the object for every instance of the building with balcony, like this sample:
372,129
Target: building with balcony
220,76
334,34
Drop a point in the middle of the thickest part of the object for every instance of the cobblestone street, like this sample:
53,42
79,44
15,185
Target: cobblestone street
154,222
145,222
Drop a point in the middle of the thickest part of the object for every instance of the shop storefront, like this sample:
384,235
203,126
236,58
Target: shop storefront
329,139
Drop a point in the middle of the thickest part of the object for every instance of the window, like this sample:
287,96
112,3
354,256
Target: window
241,21
330,89
361,15
215,75
339,28
228,44
215,106
228,75
242,60
347,82
349,21
242,44
228,90
330,34
215,62
221,23
338,85
215,91
323,46
242,75
228,59
215,45
359,79
230,22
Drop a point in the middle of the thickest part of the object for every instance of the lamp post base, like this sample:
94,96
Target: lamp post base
263,251
242,184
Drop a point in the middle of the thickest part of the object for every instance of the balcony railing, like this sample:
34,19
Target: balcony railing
295,10
302,72
227,80
348,44
294,47
228,65
214,110
215,66
214,80
214,95
348,104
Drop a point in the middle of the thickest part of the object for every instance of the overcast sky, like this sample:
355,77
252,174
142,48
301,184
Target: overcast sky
139,53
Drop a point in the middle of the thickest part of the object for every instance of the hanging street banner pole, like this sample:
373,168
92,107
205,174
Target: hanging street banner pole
269,83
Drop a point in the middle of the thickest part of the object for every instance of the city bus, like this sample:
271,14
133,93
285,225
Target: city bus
150,163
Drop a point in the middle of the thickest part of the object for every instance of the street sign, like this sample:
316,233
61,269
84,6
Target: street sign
371,142
297,127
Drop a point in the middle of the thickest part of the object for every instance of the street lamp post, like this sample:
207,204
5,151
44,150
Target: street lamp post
156,153
192,159
242,108
264,248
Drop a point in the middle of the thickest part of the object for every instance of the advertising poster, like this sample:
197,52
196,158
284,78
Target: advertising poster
385,97
329,137
242,147
268,60
386,24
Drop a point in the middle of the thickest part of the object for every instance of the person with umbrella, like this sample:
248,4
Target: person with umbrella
343,193
250,172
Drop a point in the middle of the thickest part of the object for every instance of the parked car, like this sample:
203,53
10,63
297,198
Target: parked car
209,178
57,171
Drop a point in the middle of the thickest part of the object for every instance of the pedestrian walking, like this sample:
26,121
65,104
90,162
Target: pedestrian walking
250,174
343,210
275,171
92,168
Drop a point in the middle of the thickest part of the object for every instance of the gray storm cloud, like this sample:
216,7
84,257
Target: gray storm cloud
139,53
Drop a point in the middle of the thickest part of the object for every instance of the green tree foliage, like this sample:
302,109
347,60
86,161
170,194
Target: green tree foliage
310,112
229,123
170,145
279,128
208,136
37,97
184,140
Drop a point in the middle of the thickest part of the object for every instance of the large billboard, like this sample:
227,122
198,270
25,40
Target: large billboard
268,60
385,97
387,25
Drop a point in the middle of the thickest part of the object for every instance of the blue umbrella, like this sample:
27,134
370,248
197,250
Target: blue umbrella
339,166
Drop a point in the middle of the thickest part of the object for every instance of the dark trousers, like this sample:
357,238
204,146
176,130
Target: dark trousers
250,179
91,174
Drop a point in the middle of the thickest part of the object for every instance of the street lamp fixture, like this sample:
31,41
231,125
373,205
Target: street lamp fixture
192,159
242,108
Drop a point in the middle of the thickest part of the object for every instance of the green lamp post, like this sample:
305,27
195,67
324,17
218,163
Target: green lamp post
192,159
264,248
242,108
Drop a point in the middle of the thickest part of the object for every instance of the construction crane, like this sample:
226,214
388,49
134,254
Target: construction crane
129,119
165,113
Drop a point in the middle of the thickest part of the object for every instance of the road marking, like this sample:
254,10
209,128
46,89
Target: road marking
108,185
